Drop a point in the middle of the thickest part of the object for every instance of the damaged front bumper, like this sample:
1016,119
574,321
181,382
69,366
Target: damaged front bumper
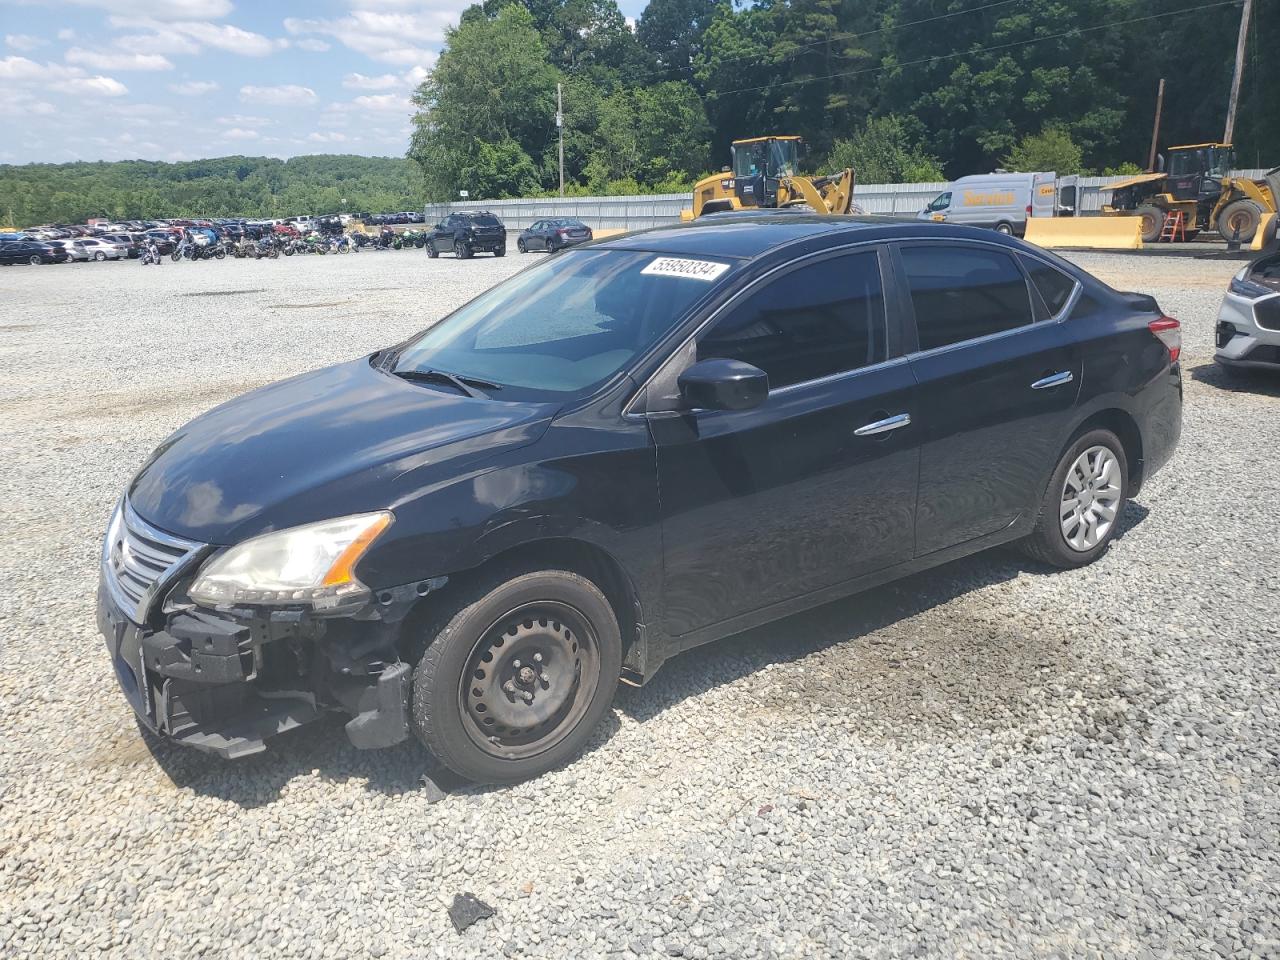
226,681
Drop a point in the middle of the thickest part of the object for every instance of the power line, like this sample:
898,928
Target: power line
712,95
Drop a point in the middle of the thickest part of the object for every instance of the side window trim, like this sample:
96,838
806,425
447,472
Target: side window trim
1072,297
896,326
910,310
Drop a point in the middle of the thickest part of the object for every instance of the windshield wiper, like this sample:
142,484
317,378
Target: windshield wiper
466,385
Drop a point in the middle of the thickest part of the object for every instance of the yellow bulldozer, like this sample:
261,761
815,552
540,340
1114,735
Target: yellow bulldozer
1198,185
765,174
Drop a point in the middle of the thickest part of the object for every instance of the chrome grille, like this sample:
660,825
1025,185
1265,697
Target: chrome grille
139,561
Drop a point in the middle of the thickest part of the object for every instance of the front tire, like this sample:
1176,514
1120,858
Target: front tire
521,246
516,675
1242,215
1152,222
1082,507
432,252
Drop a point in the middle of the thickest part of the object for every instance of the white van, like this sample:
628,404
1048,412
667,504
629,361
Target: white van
1003,201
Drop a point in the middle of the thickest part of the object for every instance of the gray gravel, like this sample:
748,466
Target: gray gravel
985,760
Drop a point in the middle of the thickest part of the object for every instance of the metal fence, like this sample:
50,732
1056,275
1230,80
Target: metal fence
634,213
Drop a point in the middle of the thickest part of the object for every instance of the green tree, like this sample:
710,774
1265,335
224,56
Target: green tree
490,100
672,31
887,150
1052,149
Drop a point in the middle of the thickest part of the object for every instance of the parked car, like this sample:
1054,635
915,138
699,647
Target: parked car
97,248
30,251
1248,334
75,254
465,234
554,234
625,451
132,242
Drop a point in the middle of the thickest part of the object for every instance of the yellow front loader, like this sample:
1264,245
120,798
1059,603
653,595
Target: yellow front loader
764,175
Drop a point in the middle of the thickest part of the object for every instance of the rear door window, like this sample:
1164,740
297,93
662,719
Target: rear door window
964,292
821,319
1054,286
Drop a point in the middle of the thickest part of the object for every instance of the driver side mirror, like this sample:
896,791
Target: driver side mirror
722,384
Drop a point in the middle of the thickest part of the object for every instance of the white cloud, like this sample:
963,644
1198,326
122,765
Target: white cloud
58,77
189,36
240,133
66,34
390,37
285,95
107,60
312,44
242,120
162,9
382,101
358,81
162,41
23,42
331,137
193,88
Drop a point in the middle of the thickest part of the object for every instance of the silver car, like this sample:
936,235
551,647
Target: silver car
75,254
1248,333
102,249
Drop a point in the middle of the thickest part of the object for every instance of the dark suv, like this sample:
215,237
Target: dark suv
628,450
465,234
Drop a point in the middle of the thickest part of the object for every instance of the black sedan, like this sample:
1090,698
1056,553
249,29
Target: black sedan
629,450
30,251
555,234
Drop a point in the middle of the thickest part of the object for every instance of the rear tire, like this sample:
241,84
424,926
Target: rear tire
1152,222
1075,492
462,251
516,674
1005,228
500,251
34,260
99,256
1242,214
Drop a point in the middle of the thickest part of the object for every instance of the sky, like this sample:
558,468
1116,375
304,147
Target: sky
186,79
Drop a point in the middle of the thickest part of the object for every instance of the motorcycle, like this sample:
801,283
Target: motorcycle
265,248
339,244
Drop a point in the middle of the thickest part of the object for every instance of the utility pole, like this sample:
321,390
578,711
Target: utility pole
560,128
1155,131
1229,134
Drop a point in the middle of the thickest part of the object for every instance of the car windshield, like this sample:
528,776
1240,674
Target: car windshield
566,326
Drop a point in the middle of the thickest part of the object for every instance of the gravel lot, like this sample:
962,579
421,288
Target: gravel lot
984,760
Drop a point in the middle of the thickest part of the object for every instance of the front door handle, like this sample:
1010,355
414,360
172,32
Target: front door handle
1055,380
883,426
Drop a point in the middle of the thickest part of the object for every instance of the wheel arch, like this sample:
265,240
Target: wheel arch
1125,427
578,556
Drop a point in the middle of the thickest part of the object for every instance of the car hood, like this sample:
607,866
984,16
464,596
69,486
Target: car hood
341,440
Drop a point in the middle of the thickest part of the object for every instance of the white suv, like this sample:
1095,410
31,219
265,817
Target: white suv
1248,332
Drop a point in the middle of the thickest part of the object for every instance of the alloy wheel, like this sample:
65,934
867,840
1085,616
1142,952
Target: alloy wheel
529,680
1091,496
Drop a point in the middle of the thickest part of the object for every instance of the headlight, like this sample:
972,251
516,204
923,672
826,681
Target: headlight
311,565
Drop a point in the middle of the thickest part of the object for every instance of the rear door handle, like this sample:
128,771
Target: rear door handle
883,426
1056,380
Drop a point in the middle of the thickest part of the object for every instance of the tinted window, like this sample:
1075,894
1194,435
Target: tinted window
562,327
960,293
487,220
822,319
1053,285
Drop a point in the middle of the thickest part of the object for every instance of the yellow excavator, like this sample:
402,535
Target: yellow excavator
765,174
1198,185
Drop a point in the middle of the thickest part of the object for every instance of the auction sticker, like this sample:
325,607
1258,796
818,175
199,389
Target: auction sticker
706,270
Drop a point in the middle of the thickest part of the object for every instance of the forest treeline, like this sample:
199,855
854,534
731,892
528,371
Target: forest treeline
904,89
223,187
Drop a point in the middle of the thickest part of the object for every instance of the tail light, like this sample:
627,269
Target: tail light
562,233
1169,332
1028,209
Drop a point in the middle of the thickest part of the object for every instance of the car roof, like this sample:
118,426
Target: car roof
750,236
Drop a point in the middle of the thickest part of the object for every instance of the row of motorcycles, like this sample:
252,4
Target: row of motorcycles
271,247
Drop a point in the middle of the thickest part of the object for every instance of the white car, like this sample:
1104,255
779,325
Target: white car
96,249
1248,333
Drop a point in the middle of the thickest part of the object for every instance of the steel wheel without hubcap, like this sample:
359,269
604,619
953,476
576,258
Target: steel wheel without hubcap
529,680
1090,498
